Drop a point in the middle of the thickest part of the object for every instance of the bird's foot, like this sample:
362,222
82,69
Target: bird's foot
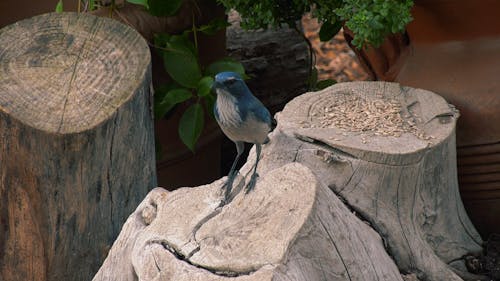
251,183
227,188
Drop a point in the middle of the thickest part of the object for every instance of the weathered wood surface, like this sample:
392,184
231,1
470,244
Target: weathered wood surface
286,230
329,205
406,187
76,142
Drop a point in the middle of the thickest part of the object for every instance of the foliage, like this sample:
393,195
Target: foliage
370,20
191,82
59,7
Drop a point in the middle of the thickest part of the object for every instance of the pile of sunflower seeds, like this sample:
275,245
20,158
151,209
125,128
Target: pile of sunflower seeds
372,117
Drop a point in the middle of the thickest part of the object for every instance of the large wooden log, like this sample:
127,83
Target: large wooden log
358,182
288,229
401,180
76,142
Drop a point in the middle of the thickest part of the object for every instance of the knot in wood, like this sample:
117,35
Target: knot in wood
148,214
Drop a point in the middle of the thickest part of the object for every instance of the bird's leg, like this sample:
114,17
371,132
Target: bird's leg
233,172
253,179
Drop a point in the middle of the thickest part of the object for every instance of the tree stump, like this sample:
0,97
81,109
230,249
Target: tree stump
358,182
77,144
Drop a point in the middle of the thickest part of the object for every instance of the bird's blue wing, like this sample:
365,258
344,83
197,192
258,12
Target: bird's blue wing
249,104
260,112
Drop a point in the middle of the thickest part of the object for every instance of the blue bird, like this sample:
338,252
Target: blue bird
242,118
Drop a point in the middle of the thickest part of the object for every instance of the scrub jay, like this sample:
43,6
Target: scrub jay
242,118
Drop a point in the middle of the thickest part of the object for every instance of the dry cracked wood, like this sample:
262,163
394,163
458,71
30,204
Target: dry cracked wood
405,186
76,142
330,204
287,229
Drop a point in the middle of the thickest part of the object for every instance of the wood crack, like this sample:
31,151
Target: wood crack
369,260
403,233
336,247
297,152
325,146
201,223
179,256
95,27
110,167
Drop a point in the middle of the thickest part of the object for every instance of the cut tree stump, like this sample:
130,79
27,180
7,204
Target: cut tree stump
76,142
358,182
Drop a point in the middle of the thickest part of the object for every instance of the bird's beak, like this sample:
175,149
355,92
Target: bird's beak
216,85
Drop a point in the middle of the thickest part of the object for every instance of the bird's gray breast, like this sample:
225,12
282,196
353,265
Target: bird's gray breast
238,123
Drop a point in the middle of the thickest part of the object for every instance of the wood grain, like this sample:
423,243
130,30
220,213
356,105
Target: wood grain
66,74
405,187
327,205
77,144
290,228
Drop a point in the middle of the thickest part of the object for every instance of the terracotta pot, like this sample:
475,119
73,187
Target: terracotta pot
453,49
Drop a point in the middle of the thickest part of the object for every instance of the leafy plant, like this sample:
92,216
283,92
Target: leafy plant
370,20
191,81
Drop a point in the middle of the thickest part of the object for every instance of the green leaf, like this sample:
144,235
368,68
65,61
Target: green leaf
210,103
226,64
205,86
91,5
328,30
59,7
182,64
183,40
191,125
213,26
325,83
171,99
140,2
162,90
162,8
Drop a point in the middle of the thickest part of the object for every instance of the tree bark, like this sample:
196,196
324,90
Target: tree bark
77,143
332,202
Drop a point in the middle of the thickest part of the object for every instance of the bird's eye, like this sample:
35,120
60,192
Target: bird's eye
231,80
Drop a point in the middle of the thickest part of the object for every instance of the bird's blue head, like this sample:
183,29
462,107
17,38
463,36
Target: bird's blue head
229,82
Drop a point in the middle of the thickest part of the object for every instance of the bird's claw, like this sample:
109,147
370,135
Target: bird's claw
227,187
251,183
